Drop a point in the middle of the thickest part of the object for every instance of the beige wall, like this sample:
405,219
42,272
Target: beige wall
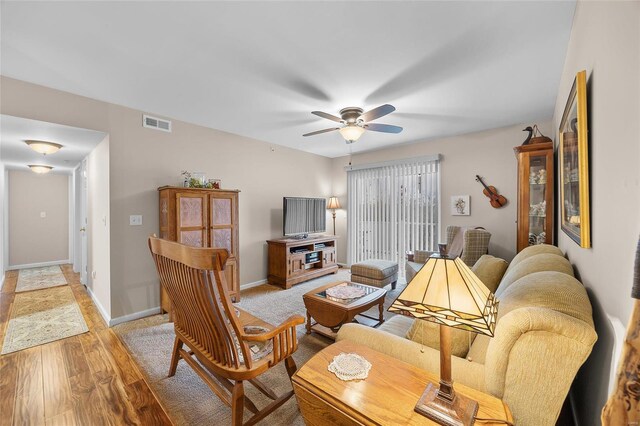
2,223
33,239
488,154
98,226
605,41
143,159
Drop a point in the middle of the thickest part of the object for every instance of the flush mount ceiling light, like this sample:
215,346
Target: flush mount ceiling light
36,168
43,147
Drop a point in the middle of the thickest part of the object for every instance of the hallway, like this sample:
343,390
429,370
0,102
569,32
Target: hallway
87,379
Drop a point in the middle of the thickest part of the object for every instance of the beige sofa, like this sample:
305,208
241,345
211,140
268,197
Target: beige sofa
544,334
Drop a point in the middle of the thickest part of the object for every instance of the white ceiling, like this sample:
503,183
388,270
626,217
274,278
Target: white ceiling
259,68
15,154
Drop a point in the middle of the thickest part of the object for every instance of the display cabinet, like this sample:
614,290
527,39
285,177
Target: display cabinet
535,194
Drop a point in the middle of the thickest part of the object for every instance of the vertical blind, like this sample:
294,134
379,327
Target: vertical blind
392,208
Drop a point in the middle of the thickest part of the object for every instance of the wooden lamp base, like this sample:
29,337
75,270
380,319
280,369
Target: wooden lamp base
460,411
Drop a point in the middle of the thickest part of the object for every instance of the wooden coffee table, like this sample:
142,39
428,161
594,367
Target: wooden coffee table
330,313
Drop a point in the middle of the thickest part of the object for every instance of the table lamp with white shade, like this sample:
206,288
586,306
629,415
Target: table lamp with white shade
447,292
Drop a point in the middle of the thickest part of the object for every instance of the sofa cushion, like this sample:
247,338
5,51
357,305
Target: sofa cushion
428,333
375,268
537,263
532,251
490,270
548,289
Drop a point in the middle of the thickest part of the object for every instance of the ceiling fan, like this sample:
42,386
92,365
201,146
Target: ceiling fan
355,121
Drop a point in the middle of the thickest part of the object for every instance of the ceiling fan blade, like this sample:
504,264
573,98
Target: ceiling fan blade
381,111
386,128
327,116
317,132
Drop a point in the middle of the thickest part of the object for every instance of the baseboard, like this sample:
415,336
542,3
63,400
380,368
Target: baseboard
343,265
253,284
134,316
101,309
2,281
39,265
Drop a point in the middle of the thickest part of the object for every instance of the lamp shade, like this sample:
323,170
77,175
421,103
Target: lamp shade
447,292
44,147
333,203
40,169
351,132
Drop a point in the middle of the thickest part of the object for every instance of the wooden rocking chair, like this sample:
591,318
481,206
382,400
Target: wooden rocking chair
231,345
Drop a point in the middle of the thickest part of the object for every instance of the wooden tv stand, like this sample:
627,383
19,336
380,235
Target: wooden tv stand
292,261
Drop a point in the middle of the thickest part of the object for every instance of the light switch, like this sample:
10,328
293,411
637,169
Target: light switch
43,214
135,220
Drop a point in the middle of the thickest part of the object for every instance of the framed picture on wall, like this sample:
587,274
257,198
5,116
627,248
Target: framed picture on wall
573,162
460,205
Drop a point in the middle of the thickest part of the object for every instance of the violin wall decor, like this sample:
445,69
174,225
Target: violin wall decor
491,192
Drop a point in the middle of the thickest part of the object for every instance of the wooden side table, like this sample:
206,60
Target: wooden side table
386,397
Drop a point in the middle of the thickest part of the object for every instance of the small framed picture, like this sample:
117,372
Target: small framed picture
460,205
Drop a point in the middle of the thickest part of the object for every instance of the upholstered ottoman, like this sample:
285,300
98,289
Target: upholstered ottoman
375,272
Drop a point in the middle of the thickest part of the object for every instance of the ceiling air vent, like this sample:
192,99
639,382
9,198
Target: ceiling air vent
156,123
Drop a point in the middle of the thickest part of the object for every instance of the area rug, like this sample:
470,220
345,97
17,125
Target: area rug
39,278
185,396
42,316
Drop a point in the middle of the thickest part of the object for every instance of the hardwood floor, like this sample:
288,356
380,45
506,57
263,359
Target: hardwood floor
88,379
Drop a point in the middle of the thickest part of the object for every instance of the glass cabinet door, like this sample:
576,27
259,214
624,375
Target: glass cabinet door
537,199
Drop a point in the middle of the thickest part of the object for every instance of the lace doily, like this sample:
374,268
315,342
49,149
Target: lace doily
350,367
343,291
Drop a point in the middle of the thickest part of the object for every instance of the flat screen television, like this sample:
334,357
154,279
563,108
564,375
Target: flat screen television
303,216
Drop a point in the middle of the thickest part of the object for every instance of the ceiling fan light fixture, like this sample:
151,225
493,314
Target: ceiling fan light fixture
44,147
351,132
40,169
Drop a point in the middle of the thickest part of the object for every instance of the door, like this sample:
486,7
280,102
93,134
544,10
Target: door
329,257
223,222
84,187
223,232
191,217
296,263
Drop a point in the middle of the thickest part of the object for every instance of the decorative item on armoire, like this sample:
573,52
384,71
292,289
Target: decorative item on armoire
573,163
623,407
535,135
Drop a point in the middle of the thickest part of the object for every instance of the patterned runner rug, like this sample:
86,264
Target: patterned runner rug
38,278
39,317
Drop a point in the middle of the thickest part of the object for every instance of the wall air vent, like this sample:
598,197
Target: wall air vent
156,123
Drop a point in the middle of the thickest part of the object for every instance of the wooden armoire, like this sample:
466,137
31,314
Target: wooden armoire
202,218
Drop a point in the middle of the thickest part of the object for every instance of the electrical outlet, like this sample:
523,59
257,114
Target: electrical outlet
135,220
43,214
93,275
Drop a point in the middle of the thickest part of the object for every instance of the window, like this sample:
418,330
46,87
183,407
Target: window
392,208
